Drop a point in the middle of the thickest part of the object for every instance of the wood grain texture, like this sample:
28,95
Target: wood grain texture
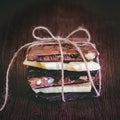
61,18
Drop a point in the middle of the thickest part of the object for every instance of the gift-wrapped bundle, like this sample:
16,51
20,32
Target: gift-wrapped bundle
69,66
60,69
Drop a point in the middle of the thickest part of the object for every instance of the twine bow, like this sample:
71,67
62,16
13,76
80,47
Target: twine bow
41,41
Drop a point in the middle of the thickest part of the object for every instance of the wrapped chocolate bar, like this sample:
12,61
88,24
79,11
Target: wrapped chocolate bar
67,66
60,69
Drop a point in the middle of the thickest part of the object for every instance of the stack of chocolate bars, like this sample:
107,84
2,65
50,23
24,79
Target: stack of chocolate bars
44,69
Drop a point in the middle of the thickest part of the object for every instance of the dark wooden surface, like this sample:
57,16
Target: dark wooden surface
61,18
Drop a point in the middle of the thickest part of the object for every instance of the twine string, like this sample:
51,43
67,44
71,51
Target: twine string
78,49
77,30
51,40
7,74
42,28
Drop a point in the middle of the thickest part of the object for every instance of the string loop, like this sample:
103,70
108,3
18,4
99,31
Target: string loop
78,30
42,28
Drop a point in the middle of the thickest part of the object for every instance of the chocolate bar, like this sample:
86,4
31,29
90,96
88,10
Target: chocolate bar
52,53
39,78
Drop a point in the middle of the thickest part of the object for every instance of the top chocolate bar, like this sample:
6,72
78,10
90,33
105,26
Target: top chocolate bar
51,52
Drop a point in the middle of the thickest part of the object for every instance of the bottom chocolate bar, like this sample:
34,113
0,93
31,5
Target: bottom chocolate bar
56,97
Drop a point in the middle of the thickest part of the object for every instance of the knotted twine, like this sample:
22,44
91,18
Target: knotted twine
53,40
